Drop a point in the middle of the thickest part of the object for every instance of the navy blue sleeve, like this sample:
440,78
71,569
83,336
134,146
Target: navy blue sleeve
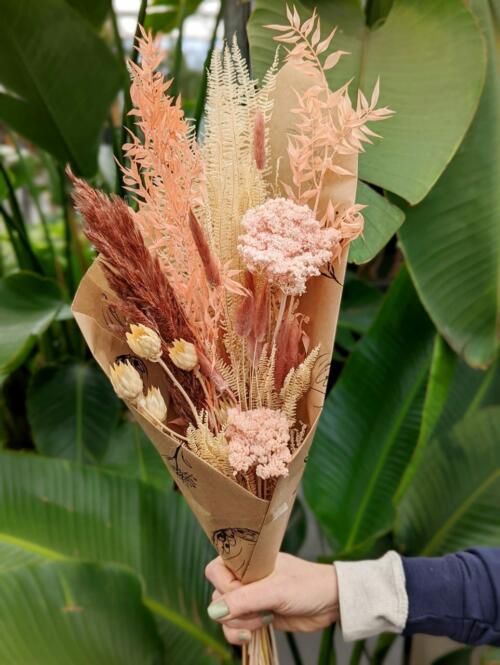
457,595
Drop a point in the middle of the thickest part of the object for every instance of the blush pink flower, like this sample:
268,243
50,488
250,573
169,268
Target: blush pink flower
285,242
259,438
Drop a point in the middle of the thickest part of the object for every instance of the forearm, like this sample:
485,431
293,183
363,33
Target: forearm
457,596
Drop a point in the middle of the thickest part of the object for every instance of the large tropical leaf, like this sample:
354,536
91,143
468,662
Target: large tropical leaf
59,79
438,386
94,11
458,657
370,423
75,613
452,502
164,17
28,305
430,57
360,304
382,220
454,390
73,411
469,391
131,453
452,239
51,509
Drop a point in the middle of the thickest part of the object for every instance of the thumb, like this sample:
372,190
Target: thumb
253,598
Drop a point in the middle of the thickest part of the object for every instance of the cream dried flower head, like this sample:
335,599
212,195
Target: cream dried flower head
286,243
153,404
183,354
259,438
144,342
126,380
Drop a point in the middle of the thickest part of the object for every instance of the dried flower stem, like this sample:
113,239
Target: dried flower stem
176,383
281,313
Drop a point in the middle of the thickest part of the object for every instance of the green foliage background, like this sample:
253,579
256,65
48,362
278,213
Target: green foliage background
100,560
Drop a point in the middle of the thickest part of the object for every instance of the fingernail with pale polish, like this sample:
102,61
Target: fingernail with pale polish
218,610
244,636
266,618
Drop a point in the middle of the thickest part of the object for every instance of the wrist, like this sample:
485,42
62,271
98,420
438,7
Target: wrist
328,582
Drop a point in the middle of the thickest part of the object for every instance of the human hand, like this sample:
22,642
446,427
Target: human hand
299,596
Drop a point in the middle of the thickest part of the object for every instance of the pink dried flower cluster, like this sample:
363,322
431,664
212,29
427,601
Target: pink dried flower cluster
259,438
286,243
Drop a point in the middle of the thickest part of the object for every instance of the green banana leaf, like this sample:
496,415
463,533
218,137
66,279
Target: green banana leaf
452,239
452,501
469,391
458,657
164,17
59,77
95,11
54,510
72,411
131,453
430,57
28,305
360,304
454,390
441,373
382,220
79,613
370,424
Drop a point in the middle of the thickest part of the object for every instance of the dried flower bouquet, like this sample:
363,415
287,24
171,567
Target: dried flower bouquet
213,304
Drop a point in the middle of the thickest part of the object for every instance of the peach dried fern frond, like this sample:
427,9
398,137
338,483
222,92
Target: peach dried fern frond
166,177
327,127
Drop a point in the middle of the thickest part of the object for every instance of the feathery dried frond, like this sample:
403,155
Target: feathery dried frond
213,449
233,181
166,177
297,383
135,275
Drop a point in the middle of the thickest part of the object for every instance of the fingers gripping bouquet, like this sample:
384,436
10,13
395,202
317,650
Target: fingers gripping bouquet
213,305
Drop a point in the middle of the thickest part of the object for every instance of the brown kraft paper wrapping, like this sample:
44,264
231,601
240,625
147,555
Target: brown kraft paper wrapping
246,531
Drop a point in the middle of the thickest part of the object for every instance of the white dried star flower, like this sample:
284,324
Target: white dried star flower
126,380
183,355
144,342
153,404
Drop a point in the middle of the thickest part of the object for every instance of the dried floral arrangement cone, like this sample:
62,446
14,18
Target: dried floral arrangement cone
213,305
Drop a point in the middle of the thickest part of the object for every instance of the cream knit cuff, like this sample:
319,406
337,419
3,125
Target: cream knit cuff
372,596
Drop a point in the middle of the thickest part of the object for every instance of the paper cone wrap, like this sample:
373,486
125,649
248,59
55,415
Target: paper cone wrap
246,531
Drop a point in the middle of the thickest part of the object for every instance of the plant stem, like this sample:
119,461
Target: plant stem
36,201
17,223
67,238
134,57
357,652
177,65
327,655
382,648
200,102
176,383
280,317
11,232
294,648
127,104
408,643
236,15
118,154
